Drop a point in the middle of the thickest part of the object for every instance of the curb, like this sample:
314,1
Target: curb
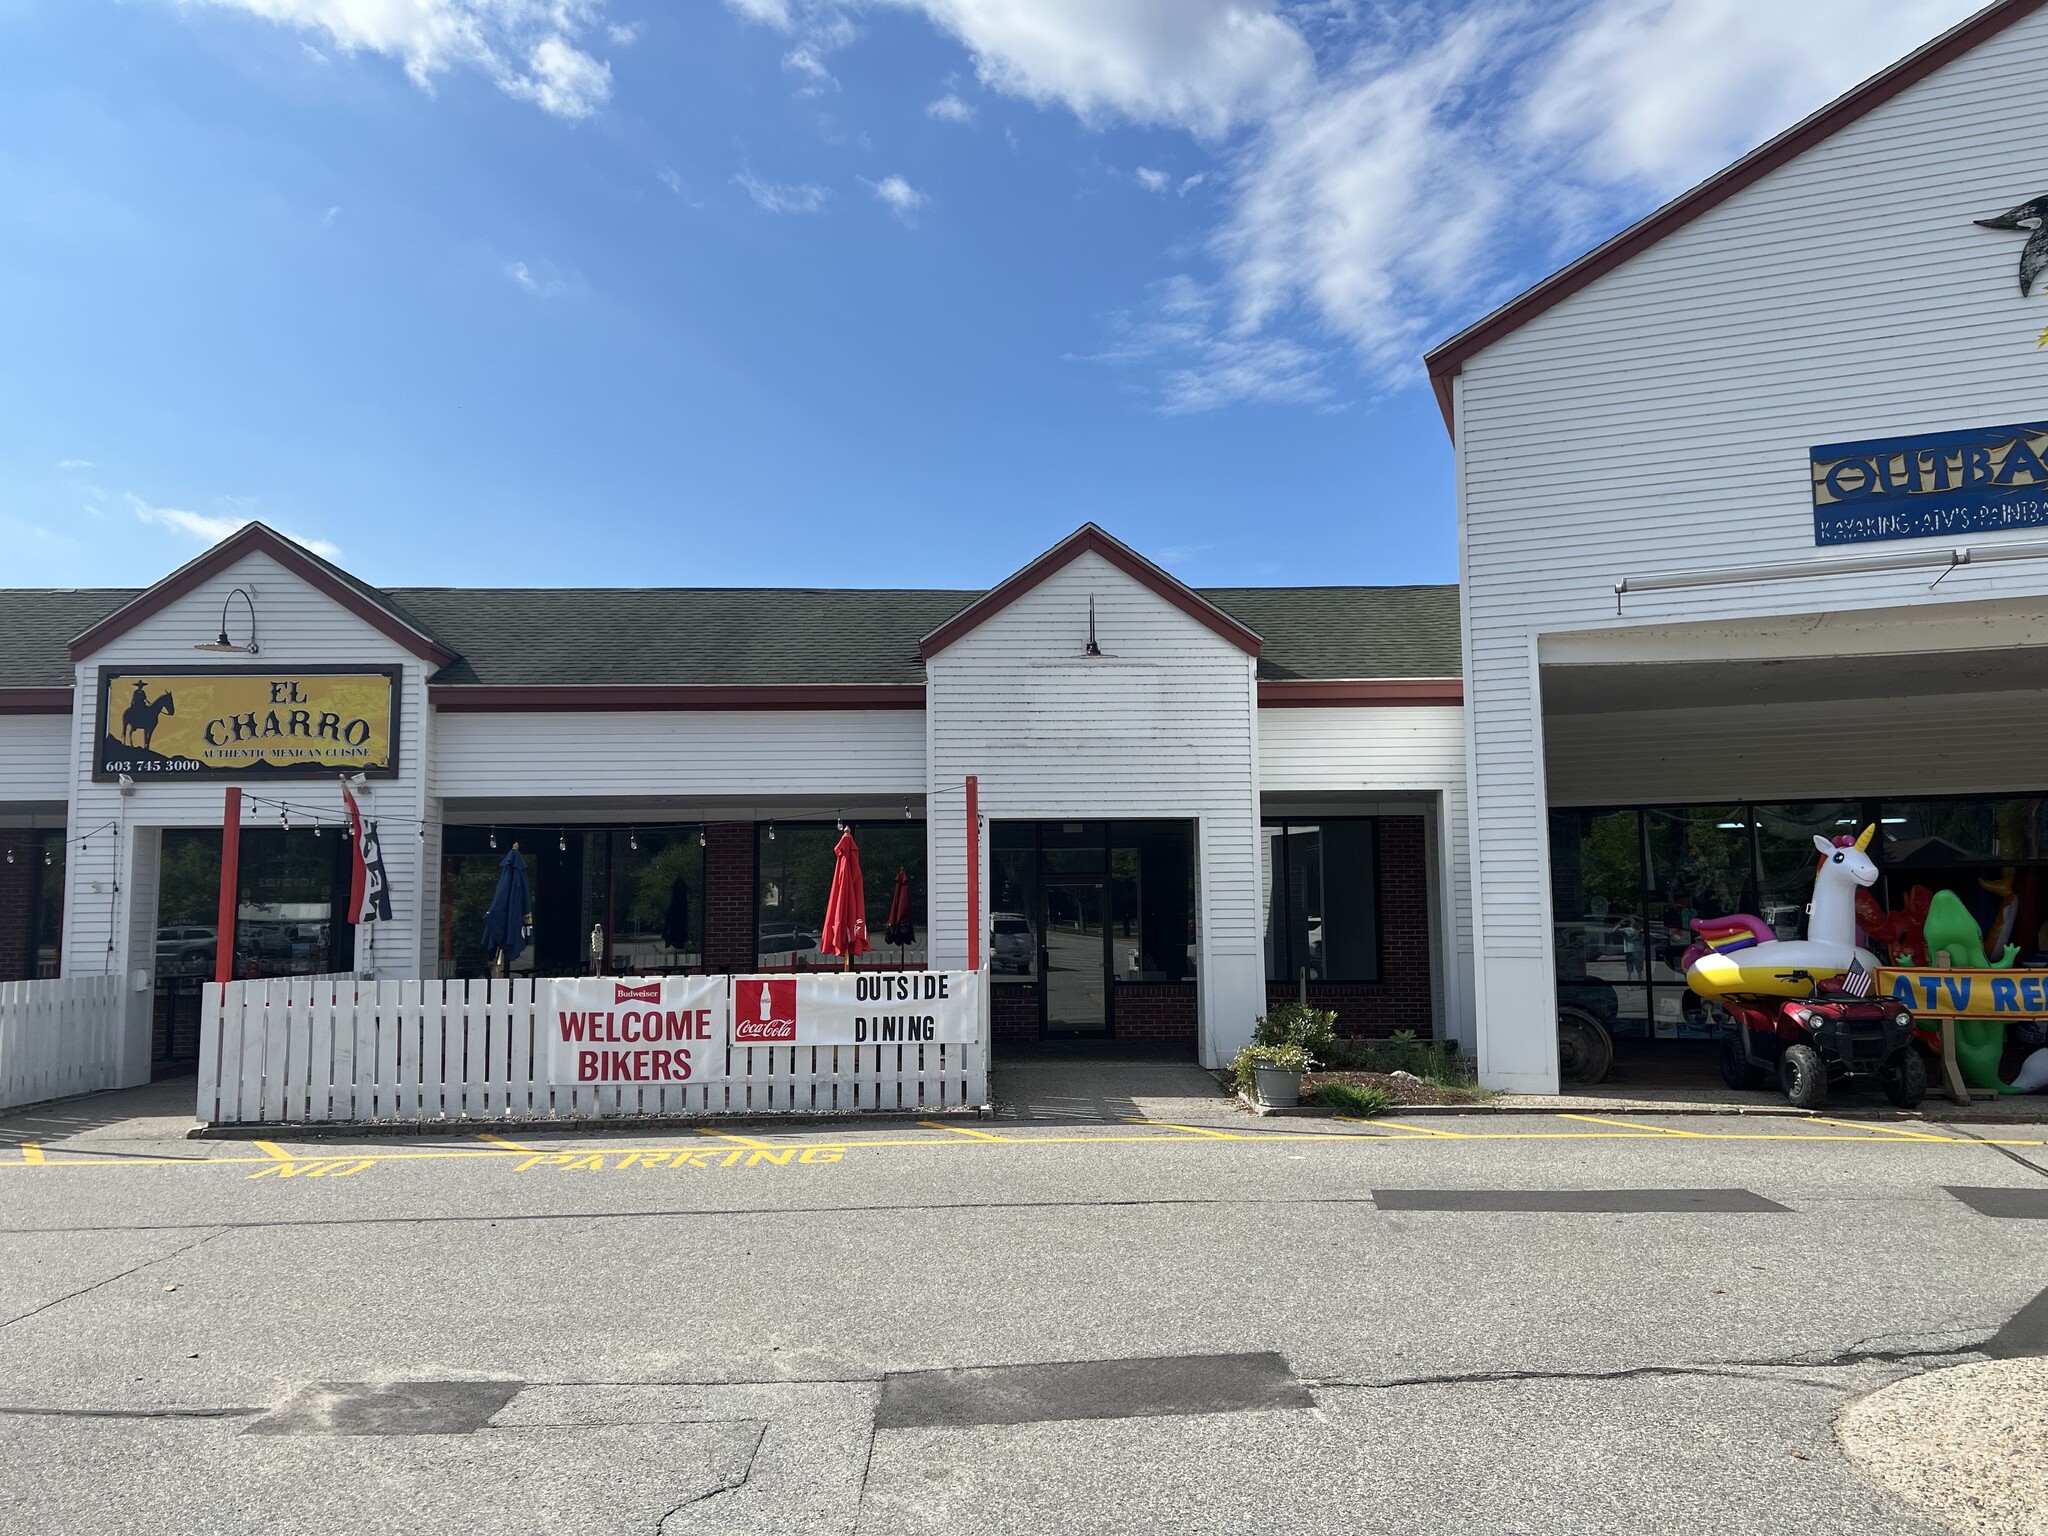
362,1129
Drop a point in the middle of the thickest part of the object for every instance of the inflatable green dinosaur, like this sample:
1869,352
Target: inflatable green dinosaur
1979,1042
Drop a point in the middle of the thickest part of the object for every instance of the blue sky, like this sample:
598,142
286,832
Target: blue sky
867,292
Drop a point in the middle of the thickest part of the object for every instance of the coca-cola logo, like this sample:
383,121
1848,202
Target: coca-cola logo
649,992
764,1011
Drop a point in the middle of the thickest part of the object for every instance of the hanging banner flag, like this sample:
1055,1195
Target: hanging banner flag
857,1008
369,893
634,1031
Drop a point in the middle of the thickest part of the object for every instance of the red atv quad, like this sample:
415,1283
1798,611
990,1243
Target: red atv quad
1809,1043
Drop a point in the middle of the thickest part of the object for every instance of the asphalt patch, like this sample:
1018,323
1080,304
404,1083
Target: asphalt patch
387,1408
1619,1202
2006,1204
2025,1334
1088,1389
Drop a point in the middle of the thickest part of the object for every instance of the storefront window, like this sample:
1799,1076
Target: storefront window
46,915
657,894
793,880
1013,900
1152,900
1596,897
1932,834
1321,910
292,888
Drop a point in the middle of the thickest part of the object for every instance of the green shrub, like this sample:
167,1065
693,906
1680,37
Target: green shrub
1351,1100
1244,1068
1311,1029
1434,1061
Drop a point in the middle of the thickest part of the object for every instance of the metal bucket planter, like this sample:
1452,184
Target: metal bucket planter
1279,1087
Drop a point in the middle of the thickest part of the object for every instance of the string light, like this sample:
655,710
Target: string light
10,853
702,840
633,841
494,839
561,842
771,831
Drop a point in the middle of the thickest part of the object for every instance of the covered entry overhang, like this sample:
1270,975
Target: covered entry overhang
1688,767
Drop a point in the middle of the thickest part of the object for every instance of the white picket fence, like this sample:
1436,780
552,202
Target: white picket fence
59,1037
314,1050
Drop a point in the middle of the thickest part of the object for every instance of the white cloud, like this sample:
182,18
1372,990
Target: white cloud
208,529
563,79
75,464
1203,65
950,108
526,47
623,36
808,60
1153,181
770,13
783,197
898,195
330,216
669,178
1198,365
534,283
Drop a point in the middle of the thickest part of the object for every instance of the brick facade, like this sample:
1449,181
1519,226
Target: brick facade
17,898
729,896
1147,1011
1400,999
1157,1011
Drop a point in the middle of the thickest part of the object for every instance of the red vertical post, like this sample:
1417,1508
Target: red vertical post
973,873
230,884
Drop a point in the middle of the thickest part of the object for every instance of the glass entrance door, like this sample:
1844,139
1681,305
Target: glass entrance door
1076,958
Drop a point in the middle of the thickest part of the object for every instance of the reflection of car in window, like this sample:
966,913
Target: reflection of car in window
1010,945
777,942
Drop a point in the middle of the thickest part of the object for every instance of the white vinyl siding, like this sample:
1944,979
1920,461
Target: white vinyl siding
685,754
35,759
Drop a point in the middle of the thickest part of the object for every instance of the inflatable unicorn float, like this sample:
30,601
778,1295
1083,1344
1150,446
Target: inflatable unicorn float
1739,956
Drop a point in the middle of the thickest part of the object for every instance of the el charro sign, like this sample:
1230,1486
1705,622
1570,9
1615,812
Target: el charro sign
197,723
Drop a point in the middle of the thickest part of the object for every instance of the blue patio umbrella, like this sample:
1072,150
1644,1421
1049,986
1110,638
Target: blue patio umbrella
509,923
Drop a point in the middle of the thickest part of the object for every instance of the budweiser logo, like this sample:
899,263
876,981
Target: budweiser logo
764,1029
650,992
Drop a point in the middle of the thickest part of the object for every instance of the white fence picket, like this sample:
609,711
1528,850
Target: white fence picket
322,1049
58,1037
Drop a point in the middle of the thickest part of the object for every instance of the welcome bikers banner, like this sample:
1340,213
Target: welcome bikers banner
635,1031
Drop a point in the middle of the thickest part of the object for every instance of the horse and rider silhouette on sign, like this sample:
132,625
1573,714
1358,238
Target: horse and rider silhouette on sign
142,714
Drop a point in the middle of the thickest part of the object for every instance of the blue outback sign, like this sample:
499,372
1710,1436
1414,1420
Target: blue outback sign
1944,483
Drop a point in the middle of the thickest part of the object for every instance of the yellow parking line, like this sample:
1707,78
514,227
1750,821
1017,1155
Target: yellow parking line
1889,1130
31,1151
1425,1130
1630,1125
499,1141
272,1149
745,1141
959,1130
1192,1130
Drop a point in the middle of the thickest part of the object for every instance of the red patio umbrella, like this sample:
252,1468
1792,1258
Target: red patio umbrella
900,930
846,909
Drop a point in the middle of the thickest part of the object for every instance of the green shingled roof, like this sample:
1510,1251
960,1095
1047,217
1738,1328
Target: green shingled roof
539,638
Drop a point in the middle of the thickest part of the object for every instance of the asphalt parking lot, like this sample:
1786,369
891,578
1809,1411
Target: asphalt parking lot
1130,1312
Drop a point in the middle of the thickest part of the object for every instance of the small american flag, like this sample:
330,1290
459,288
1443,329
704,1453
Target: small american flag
1857,982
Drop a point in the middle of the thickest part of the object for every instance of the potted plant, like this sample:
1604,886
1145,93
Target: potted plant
1271,1074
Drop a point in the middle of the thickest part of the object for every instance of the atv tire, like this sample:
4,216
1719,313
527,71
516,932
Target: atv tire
1584,1048
1803,1076
1904,1077
1737,1070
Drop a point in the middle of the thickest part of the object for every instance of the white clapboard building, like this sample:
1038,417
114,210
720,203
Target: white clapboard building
1185,802
1754,545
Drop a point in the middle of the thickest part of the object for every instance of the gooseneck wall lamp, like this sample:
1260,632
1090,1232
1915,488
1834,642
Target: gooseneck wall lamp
224,643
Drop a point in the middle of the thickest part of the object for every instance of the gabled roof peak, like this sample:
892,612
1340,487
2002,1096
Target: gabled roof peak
1086,540
360,599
